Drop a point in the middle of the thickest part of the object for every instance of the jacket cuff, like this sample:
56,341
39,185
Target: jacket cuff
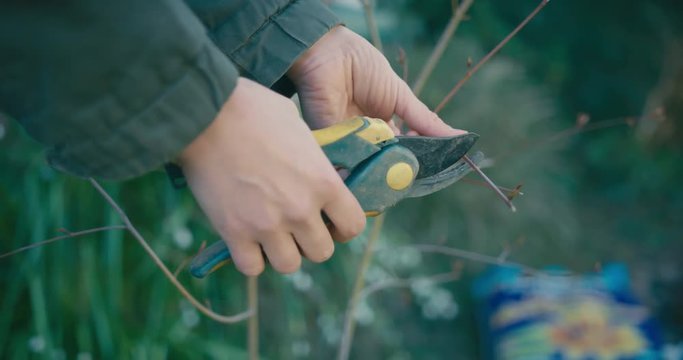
159,132
271,35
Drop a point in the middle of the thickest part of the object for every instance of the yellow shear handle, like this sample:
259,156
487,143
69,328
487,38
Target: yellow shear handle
372,130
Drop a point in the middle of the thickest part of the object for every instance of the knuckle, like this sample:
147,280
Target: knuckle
232,230
249,227
223,226
329,181
233,227
300,212
288,265
264,224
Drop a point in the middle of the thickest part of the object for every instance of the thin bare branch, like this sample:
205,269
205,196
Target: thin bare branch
573,131
394,283
252,324
490,182
469,74
509,247
515,192
586,128
505,253
136,234
484,184
441,45
472,256
349,319
403,61
488,56
68,235
372,23
180,267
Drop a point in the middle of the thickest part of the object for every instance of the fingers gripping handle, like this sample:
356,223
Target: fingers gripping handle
355,143
378,183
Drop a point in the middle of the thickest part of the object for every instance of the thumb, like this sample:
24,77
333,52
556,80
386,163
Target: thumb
418,117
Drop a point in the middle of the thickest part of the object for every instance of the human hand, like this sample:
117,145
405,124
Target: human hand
261,178
343,75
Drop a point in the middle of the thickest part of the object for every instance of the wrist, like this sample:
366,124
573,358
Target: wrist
305,61
204,140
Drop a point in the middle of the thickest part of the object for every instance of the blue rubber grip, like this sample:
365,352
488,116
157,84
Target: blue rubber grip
210,259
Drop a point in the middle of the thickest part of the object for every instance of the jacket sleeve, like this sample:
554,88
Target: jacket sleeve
113,89
264,37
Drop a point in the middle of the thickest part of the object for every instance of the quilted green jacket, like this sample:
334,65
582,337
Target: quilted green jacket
115,89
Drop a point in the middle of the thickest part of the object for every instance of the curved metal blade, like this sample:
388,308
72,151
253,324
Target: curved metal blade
437,154
457,171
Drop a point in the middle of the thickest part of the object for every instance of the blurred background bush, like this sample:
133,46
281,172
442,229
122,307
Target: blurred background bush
601,196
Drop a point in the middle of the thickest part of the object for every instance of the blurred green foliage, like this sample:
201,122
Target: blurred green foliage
608,195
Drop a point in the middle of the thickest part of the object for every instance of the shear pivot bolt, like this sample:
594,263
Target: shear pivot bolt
400,176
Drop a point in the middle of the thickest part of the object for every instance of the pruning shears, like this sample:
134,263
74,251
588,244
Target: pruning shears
383,169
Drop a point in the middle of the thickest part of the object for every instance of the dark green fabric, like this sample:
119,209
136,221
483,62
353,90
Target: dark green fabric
263,38
115,89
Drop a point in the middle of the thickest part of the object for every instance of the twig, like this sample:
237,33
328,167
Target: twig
69,235
392,283
403,61
181,267
349,319
472,256
554,138
488,56
515,192
252,325
504,254
491,184
372,24
509,247
131,228
587,128
482,183
441,45
469,74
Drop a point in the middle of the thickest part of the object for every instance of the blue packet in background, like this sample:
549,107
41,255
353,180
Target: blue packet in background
558,316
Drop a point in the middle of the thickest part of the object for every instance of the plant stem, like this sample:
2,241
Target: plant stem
488,56
181,267
490,183
441,45
185,293
252,325
392,283
349,319
62,237
372,24
484,184
569,132
403,61
472,256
